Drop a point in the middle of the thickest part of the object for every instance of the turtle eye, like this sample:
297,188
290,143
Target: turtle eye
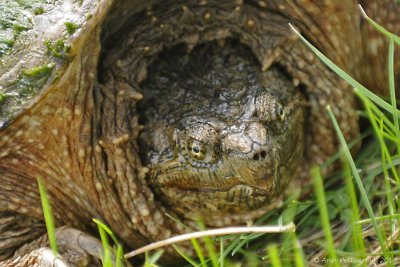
196,150
280,113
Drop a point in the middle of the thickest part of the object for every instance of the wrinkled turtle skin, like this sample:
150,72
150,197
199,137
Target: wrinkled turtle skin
89,103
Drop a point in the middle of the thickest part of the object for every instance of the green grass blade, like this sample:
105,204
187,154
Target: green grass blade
242,241
48,216
119,256
389,195
186,257
380,28
360,185
106,257
212,254
199,252
391,138
274,256
376,112
392,91
151,260
380,102
378,130
358,241
390,217
319,190
299,259
338,154
221,253
154,258
107,229
231,247
147,262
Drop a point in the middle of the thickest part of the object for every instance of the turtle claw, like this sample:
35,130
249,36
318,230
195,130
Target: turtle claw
47,258
43,257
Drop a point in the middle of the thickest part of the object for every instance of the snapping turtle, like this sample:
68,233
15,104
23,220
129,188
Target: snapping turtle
137,112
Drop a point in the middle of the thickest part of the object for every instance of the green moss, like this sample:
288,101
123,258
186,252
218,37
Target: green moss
26,4
5,45
13,21
19,28
89,16
32,80
43,71
2,98
16,18
8,42
38,11
32,4
16,22
80,2
71,27
58,48
20,92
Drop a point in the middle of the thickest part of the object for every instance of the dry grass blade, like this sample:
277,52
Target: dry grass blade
376,254
214,232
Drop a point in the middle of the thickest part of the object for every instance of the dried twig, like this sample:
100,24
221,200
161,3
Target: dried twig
214,232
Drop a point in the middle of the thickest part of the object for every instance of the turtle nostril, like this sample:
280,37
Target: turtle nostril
260,156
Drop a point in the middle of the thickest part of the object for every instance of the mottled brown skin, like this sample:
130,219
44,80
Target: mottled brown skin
80,135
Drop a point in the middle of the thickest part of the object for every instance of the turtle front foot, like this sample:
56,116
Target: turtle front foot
76,248
43,257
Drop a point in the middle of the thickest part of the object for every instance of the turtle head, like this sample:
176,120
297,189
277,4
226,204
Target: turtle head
226,141
228,163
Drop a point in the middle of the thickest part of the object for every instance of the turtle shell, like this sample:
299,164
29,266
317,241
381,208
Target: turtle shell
70,79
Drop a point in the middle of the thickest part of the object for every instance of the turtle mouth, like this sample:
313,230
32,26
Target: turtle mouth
259,181
234,185
247,189
215,192
235,199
